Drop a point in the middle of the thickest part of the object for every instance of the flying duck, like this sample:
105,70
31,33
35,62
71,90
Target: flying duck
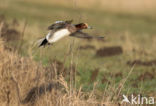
60,29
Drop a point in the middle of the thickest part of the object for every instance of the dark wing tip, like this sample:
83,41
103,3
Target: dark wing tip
51,27
100,37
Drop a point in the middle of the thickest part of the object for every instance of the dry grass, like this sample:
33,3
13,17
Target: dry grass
25,82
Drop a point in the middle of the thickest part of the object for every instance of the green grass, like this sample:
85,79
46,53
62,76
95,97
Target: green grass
140,29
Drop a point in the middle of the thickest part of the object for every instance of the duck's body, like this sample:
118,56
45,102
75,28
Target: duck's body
55,36
61,29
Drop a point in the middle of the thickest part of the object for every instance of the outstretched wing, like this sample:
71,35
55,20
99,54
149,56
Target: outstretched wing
59,24
81,34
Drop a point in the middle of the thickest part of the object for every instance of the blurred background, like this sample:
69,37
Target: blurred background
129,46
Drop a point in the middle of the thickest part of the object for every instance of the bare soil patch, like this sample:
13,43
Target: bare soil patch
142,63
109,51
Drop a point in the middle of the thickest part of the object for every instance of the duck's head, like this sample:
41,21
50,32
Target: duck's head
83,26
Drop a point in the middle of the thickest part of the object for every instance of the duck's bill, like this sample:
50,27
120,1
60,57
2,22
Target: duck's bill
90,27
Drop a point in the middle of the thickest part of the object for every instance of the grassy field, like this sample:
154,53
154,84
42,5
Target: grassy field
134,32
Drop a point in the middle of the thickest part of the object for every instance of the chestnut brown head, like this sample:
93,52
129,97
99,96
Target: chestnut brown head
82,26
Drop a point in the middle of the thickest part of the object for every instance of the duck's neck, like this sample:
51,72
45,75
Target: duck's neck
79,26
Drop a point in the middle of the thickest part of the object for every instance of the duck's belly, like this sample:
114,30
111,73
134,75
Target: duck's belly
58,35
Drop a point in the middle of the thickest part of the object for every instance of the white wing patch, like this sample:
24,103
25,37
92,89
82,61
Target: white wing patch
56,22
58,35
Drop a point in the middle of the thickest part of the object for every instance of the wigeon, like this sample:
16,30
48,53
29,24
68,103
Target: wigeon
61,29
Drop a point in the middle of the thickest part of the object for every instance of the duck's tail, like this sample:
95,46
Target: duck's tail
42,42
